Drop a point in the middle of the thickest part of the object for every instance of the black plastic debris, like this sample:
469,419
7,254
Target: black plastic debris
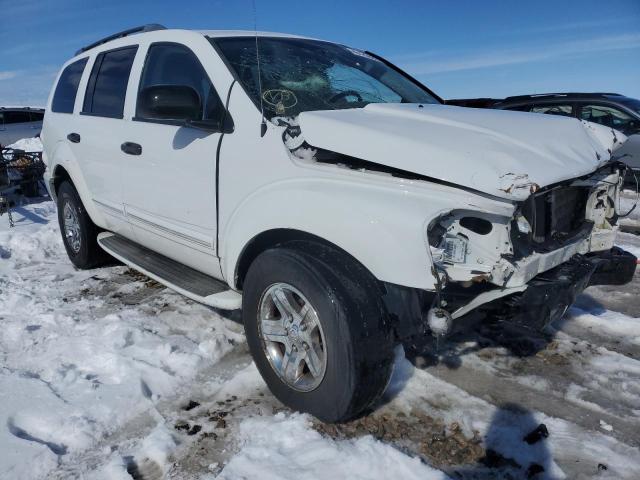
534,469
195,429
181,425
493,459
537,434
602,466
191,405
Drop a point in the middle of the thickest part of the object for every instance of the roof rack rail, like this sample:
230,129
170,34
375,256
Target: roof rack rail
150,27
564,94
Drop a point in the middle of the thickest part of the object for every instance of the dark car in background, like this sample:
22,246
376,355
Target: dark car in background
609,109
19,122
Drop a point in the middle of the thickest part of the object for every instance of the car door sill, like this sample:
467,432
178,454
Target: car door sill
191,283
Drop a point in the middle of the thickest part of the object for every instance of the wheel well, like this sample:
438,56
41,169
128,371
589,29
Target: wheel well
60,174
275,238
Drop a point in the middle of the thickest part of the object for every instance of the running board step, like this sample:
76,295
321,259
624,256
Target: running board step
185,280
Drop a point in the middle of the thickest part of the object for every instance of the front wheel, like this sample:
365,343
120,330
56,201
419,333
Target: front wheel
317,330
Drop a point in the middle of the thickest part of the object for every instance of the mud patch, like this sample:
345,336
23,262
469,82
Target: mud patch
140,277
416,433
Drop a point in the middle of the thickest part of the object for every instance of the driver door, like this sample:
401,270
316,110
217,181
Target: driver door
170,176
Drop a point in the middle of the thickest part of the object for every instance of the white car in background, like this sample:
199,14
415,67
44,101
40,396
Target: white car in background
327,193
19,122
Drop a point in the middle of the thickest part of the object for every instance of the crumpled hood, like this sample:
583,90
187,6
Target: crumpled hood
502,153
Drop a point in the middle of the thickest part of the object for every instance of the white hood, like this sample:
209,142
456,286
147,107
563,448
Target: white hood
498,152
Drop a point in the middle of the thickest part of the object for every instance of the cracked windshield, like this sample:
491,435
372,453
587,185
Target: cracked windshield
300,75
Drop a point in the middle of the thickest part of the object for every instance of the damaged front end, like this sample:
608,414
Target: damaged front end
525,267
528,269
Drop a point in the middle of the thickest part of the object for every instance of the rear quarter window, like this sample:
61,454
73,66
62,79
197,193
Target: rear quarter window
107,87
64,97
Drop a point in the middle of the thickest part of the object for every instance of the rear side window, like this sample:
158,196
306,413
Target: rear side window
107,87
65,95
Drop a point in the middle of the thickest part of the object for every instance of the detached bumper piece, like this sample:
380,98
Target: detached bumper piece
550,294
615,267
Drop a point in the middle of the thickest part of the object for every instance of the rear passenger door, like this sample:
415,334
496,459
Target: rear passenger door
170,182
99,130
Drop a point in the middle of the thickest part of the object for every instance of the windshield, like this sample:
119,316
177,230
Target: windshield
299,75
633,104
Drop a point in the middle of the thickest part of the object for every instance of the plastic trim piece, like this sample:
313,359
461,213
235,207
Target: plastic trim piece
192,284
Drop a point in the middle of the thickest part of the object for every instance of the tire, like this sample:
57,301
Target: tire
357,336
85,253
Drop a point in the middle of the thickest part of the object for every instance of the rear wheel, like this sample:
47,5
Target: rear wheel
317,330
79,233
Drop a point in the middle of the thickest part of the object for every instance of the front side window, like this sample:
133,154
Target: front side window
300,75
171,66
610,117
107,87
565,110
64,97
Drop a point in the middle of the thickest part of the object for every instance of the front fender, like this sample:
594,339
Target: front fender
381,223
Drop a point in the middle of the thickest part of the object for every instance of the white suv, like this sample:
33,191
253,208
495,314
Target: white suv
328,194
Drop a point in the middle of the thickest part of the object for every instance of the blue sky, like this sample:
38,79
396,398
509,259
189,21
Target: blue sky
459,49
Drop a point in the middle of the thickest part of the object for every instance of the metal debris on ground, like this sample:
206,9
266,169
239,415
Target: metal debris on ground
21,169
20,172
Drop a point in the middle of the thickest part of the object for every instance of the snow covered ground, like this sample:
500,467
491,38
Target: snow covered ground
33,144
105,374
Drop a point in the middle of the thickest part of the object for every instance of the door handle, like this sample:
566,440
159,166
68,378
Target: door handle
73,138
131,148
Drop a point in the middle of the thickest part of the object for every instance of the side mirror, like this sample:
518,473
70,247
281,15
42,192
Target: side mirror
169,102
